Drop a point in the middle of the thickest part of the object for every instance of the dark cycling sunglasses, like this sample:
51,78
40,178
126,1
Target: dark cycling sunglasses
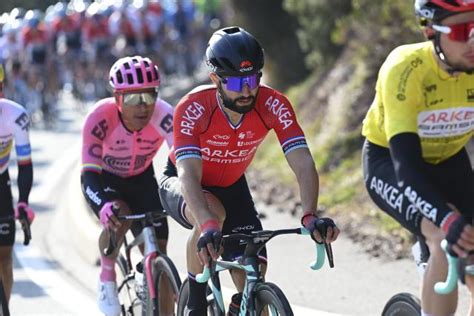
456,32
236,84
137,98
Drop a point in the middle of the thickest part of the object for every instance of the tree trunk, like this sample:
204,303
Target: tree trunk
276,31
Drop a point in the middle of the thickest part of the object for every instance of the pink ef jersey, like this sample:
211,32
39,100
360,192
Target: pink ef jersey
108,145
203,131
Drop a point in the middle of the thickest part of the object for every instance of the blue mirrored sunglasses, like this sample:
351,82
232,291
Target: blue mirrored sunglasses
236,84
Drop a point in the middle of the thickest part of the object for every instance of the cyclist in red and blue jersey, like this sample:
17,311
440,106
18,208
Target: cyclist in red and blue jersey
121,136
14,123
217,129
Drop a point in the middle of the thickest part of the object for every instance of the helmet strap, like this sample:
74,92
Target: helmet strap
439,52
118,102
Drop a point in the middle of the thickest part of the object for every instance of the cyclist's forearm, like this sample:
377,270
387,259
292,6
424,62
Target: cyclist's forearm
303,166
413,179
25,181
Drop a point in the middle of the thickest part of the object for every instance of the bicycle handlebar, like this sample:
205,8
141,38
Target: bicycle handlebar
319,262
451,282
148,216
204,276
266,236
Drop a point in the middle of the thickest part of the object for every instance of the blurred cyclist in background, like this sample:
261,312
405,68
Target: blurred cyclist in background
14,123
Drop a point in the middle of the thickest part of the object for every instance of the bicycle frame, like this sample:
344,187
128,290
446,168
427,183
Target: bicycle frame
253,276
151,251
147,237
249,263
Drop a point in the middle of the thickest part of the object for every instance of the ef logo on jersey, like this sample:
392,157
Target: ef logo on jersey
100,130
23,121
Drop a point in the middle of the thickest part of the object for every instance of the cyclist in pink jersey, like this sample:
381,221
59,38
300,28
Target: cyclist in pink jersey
120,138
217,130
14,124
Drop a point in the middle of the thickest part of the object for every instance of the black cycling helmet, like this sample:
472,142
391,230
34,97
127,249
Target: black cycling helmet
433,11
232,51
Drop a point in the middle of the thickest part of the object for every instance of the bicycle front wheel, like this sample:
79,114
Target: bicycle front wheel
166,283
402,304
269,297
131,304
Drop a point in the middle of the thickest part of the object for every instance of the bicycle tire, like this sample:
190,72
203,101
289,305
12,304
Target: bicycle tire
269,294
402,304
212,309
4,311
131,304
163,266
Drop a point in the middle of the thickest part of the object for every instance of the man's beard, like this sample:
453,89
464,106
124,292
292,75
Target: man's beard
232,104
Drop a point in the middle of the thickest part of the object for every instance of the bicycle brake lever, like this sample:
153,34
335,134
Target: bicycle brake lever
328,248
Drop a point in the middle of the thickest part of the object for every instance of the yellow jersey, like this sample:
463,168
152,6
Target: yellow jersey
414,94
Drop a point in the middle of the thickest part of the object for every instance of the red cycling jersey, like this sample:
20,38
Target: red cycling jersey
31,36
67,25
203,131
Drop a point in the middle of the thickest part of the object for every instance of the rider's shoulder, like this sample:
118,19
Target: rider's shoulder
269,97
162,105
103,109
410,55
9,107
202,96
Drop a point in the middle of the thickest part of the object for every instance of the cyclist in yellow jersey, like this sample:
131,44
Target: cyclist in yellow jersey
416,168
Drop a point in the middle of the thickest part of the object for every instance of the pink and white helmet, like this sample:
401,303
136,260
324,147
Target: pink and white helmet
135,72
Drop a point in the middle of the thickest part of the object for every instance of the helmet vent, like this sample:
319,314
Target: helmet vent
130,78
149,75
139,77
119,77
232,30
126,65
